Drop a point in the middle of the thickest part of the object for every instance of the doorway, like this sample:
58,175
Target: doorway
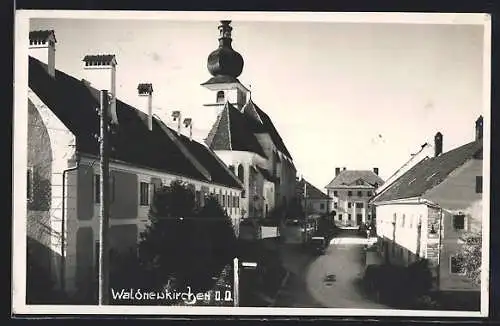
359,219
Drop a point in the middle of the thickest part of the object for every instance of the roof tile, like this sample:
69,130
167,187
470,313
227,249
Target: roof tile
429,173
75,103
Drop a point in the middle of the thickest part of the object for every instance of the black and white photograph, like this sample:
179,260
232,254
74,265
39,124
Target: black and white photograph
241,163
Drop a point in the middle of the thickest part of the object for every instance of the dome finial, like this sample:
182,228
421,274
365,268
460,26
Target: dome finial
225,61
225,30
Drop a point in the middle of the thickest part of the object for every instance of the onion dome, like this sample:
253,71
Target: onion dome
225,61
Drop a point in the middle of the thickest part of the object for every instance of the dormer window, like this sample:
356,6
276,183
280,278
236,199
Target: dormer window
220,97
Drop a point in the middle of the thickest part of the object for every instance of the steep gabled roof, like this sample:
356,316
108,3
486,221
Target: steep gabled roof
311,191
348,178
271,129
429,173
220,174
75,103
231,131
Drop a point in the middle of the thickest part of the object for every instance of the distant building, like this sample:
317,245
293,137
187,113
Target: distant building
425,212
244,136
313,200
350,191
63,175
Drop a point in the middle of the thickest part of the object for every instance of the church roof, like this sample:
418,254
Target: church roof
271,129
232,131
74,102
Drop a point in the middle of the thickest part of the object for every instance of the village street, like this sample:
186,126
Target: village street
330,280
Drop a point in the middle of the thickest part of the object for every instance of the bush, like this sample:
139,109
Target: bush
192,246
398,285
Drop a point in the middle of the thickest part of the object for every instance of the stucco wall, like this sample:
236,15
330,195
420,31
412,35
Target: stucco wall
405,235
52,146
342,199
39,229
315,206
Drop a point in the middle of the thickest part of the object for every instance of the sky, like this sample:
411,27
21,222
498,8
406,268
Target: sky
354,95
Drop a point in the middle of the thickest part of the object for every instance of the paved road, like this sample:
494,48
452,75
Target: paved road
343,262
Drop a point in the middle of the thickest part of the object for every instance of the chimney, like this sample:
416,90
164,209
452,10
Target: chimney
438,144
337,171
100,72
375,170
344,169
145,90
176,116
188,123
479,128
43,48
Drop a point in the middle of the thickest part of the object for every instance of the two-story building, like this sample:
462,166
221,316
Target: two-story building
244,136
313,200
426,211
63,175
350,192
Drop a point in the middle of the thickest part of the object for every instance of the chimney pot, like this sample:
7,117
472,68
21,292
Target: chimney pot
479,128
42,46
337,171
100,70
375,170
438,144
146,90
344,169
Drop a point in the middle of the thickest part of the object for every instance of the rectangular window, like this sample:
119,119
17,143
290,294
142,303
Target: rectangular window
459,222
335,194
349,205
97,188
456,265
29,184
360,194
321,206
479,184
369,193
340,217
223,200
349,217
335,205
403,218
359,205
197,198
349,193
144,195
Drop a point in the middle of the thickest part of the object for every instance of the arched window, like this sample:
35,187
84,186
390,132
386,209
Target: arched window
241,173
220,97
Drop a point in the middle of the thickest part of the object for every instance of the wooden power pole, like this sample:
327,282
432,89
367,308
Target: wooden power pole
104,220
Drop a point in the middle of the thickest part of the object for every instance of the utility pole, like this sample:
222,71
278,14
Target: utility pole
305,211
236,282
104,220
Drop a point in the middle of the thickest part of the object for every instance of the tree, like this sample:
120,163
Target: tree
470,256
182,243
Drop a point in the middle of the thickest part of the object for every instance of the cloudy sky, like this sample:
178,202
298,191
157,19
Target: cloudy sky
355,95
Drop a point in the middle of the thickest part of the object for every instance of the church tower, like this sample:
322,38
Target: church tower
225,65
